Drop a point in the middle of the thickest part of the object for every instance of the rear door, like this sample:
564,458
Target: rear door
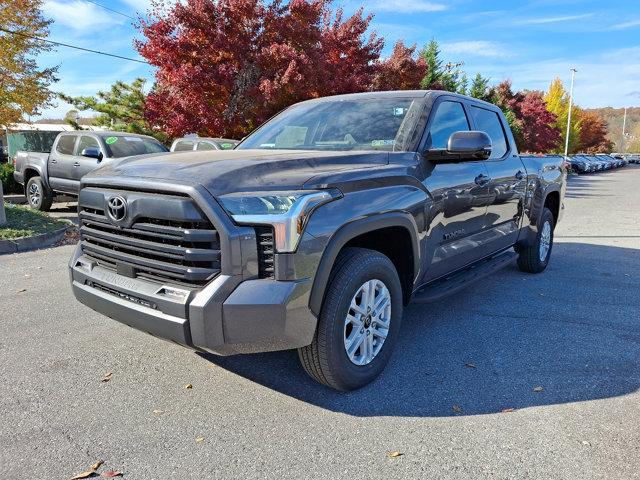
84,165
508,180
459,195
61,164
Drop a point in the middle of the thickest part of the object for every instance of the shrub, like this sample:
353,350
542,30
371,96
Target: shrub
9,185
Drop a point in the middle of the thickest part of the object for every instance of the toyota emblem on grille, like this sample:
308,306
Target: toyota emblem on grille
117,208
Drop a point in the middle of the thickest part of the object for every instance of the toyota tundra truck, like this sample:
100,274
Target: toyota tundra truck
317,229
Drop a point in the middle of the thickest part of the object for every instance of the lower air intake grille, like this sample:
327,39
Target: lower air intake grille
264,237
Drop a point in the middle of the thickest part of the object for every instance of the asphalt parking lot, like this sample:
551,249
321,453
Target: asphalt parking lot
460,398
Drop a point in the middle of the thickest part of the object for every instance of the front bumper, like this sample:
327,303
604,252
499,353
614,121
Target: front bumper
226,317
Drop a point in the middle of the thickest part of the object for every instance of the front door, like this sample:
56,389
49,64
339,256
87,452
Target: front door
507,186
456,211
84,165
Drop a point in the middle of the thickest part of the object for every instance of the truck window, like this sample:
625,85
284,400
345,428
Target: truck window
183,147
127,145
205,146
65,144
86,142
449,118
489,122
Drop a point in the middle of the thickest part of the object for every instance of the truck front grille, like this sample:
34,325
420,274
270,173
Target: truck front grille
266,249
184,249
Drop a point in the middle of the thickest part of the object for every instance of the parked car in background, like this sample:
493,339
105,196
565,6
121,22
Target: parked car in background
190,143
580,165
73,155
317,229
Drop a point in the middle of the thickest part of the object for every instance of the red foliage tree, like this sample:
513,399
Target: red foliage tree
538,131
225,66
593,134
403,70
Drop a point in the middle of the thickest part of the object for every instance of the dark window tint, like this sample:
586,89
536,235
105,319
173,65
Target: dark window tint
65,144
126,146
449,118
86,142
183,147
205,146
489,122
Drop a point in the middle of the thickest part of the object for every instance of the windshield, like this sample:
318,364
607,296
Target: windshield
361,124
125,146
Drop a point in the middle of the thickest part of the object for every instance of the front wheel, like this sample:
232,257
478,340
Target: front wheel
359,321
535,258
38,196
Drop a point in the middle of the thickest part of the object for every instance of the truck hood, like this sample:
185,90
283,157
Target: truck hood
230,171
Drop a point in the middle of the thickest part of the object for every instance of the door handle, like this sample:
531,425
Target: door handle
482,179
77,164
519,175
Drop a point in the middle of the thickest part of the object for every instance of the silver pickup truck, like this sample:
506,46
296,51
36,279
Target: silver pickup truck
73,155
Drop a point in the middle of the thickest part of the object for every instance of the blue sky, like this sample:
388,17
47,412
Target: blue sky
530,42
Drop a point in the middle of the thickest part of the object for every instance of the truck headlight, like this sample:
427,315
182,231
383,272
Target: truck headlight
286,212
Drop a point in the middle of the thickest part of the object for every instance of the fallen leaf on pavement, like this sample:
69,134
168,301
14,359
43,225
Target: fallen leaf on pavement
22,290
584,442
158,412
88,473
538,389
508,410
395,454
111,474
188,386
457,408
107,377
470,365
199,439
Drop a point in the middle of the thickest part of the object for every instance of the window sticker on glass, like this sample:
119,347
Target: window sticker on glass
291,136
111,140
133,139
382,143
399,111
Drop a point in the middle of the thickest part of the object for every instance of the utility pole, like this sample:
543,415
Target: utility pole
624,126
566,143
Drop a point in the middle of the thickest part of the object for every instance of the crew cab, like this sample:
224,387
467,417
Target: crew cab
73,155
316,230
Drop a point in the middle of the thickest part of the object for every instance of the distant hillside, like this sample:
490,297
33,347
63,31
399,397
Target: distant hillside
613,117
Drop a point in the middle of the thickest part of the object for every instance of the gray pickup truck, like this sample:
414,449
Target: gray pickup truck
317,230
73,155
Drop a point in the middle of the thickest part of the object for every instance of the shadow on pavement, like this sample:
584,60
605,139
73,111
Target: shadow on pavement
573,330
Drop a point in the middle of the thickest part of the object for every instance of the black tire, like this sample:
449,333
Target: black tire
326,359
529,257
38,196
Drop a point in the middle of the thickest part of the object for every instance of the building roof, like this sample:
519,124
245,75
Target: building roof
46,127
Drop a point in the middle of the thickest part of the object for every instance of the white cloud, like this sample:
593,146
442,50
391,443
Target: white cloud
622,26
78,15
407,6
547,20
481,48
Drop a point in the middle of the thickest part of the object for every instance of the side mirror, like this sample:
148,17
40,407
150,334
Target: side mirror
463,146
92,152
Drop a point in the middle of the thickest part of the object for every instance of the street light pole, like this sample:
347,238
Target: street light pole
566,143
624,126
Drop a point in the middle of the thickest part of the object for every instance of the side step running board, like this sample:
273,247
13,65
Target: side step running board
455,282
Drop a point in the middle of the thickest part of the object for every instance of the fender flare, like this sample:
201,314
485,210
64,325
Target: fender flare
350,231
39,173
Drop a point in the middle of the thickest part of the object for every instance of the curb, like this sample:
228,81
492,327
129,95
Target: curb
16,199
36,242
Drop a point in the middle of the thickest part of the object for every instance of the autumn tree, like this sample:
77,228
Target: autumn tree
539,133
121,108
557,99
24,88
593,134
403,70
225,66
508,101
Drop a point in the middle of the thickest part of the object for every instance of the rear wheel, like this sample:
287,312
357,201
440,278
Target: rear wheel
38,196
359,321
535,258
